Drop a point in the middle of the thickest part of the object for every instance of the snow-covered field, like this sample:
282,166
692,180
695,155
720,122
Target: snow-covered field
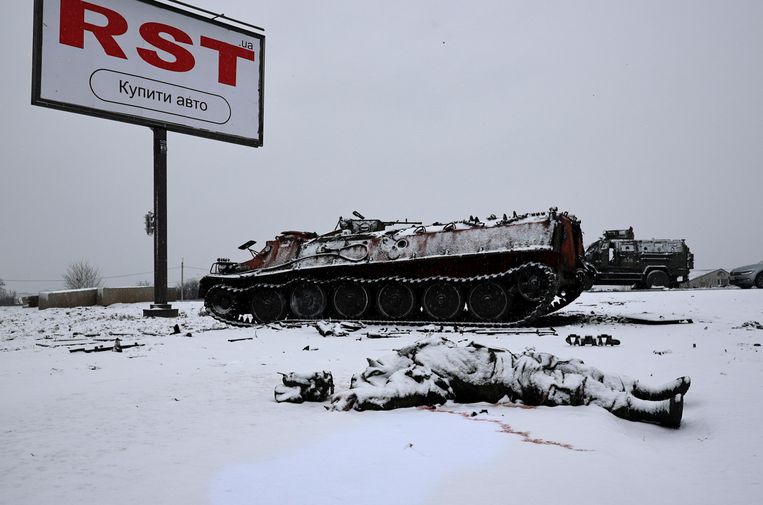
192,420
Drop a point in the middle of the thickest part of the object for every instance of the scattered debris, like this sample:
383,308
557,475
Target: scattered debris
298,388
330,329
55,344
654,319
511,331
388,333
280,325
240,339
749,325
212,328
660,353
117,347
598,340
580,318
337,329
308,348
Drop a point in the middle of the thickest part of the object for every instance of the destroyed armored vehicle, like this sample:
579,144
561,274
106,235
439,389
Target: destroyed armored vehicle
510,269
621,259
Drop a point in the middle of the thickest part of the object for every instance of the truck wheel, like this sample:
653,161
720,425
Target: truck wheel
657,278
759,280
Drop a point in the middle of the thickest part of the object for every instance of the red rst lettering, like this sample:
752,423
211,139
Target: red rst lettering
184,60
229,55
73,26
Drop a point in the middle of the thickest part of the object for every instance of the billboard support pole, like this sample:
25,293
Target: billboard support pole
160,307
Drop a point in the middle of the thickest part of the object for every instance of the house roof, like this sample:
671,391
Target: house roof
697,273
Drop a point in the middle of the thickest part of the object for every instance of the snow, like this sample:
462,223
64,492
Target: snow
192,420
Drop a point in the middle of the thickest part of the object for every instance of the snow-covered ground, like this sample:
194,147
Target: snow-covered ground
192,420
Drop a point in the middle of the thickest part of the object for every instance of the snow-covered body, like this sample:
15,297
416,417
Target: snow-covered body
435,370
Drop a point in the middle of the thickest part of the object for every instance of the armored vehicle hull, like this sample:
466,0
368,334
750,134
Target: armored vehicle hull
510,270
621,259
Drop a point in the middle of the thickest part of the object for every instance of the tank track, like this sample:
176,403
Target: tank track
238,315
563,299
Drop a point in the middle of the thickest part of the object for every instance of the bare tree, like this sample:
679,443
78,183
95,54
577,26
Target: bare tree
6,297
82,274
190,289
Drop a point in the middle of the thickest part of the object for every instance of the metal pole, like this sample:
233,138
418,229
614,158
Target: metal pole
160,307
182,281
160,213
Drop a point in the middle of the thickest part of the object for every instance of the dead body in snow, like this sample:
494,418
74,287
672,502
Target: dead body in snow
435,370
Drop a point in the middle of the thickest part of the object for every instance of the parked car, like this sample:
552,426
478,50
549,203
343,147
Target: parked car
747,276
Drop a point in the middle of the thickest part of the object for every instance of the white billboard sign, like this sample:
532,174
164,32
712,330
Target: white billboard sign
146,62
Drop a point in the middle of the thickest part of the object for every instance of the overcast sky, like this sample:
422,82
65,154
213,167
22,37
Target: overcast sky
646,114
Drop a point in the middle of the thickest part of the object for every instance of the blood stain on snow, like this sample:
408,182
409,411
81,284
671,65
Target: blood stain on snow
506,428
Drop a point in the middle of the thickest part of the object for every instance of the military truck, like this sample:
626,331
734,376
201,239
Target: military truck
621,259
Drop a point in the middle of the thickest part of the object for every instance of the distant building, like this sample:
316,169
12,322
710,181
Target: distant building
707,279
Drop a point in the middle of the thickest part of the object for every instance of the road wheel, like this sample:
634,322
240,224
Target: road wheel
308,300
395,300
267,305
442,301
220,301
532,284
657,278
759,280
351,300
488,301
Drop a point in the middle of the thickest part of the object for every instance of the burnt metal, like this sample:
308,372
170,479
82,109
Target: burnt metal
511,270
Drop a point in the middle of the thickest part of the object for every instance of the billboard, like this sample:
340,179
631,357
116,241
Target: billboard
144,62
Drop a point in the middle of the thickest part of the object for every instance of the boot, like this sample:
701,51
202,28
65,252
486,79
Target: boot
666,413
663,392
605,339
